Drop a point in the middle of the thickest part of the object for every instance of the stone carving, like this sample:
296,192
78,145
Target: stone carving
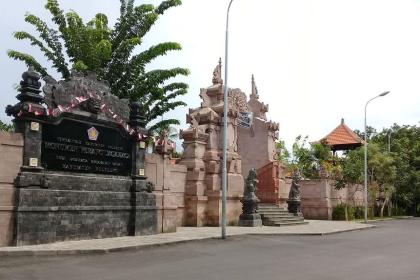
254,90
294,193
237,100
150,187
137,115
97,92
206,99
251,187
273,129
29,97
294,201
164,145
217,73
93,105
250,216
255,106
273,126
192,119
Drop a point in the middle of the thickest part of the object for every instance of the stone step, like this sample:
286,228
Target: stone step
280,220
269,206
272,210
275,213
289,223
280,217
272,215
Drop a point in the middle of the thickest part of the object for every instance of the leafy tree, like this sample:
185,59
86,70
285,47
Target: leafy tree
382,171
350,172
302,158
393,176
172,131
6,127
311,159
111,53
405,152
282,154
370,132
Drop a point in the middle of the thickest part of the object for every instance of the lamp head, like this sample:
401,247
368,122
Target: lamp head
384,93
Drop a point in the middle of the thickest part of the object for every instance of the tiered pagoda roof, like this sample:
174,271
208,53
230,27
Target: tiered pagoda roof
342,138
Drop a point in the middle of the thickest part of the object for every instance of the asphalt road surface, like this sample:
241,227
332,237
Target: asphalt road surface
390,251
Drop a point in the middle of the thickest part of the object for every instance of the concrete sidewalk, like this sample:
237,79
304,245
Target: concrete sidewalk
183,234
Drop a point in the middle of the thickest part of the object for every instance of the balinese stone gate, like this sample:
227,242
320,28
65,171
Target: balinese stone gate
257,150
203,143
82,173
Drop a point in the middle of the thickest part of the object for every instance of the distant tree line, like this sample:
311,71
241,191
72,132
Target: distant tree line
393,167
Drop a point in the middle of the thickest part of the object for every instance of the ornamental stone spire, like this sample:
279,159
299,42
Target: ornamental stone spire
217,73
254,90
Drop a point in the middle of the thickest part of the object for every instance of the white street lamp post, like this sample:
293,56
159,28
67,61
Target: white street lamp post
366,144
225,109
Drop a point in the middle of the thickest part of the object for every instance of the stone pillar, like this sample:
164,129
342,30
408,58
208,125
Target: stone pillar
204,158
195,141
138,122
27,118
144,214
213,159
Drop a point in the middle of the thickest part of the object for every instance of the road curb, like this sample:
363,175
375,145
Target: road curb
67,252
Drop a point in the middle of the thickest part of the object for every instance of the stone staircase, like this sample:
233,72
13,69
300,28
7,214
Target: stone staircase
272,215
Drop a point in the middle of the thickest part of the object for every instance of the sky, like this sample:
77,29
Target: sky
314,61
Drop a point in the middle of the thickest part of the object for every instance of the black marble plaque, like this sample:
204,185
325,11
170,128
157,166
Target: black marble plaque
75,146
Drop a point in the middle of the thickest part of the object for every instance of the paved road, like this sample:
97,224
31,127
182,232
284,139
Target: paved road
390,251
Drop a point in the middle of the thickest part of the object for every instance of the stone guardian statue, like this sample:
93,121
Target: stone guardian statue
294,201
250,216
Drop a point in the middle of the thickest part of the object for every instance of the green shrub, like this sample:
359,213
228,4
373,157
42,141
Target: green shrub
350,213
359,212
339,212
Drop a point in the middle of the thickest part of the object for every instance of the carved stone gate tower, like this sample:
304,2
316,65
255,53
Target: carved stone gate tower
203,143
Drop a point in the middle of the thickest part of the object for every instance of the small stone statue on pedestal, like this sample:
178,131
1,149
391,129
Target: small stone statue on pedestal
294,201
249,216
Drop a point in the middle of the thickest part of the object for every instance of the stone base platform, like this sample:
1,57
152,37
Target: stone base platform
251,220
55,207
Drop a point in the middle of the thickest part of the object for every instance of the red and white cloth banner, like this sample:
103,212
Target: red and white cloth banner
77,100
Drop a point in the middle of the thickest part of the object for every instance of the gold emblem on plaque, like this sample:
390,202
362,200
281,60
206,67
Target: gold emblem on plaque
142,145
141,172
93,133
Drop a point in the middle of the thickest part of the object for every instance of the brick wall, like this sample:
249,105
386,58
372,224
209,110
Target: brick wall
169,180
11,146
319,197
